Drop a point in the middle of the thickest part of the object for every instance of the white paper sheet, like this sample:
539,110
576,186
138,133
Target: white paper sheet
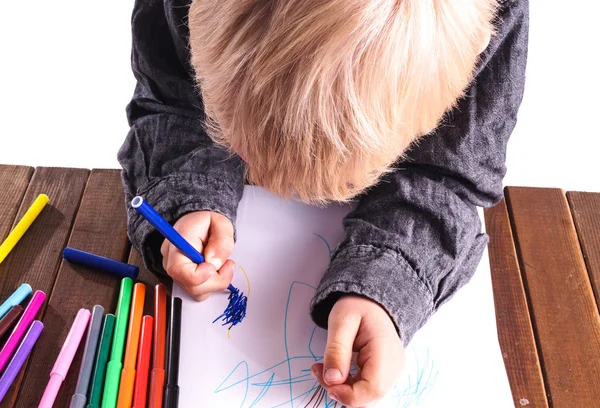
453,361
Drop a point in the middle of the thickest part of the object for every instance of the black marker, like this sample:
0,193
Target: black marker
171,399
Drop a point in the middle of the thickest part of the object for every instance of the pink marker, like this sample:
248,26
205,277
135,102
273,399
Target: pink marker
37,300
65,358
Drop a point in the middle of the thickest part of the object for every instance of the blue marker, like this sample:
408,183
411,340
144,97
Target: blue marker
121,269
16,298
169,232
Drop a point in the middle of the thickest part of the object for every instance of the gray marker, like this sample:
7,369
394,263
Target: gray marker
91,344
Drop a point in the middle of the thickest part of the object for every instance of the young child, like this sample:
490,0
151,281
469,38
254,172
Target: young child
322,101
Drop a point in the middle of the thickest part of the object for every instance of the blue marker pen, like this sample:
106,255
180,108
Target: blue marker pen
16,298
169,232
121,269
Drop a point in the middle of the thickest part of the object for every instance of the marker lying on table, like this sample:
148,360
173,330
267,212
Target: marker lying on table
97,385
143,363
36,302
157,375
9,318
174,337
169,232
65,358
112,266
23,225
83,381
16,298
133,340
20,357
115,365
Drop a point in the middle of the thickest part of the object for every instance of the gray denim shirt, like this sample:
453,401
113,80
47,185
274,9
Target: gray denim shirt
413,240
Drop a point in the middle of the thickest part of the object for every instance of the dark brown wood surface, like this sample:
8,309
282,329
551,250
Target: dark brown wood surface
14,181
515,333
544,255
36,258
565,315
100,228
585,208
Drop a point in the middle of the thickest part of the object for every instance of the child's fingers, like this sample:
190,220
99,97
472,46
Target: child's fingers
380,364
217,282
178,265
342,328
184,270
359,394
220,240
187,273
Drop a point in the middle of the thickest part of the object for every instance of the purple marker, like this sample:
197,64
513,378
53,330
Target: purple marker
18,332
20,357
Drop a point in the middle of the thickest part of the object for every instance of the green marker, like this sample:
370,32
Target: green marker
97,384
115,365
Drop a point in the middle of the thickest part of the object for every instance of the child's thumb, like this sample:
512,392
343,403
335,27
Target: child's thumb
341,333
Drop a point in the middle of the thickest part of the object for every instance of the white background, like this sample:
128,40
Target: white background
65,79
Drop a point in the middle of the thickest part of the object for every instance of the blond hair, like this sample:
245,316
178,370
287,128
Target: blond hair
321,97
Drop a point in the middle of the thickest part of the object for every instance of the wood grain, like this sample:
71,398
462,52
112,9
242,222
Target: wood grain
515,333
585,208
36,258
100,228
565,316
547,315
13,184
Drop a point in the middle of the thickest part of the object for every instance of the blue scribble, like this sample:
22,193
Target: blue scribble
236,309
297,368
415,389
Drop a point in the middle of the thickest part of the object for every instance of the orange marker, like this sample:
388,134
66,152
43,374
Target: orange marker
131,347
143,363
157,376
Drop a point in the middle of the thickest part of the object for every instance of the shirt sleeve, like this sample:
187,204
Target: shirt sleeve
415,238
167,156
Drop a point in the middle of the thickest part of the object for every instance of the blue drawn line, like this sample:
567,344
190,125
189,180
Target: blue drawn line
247,379
405,395
326,243
285,339
264,390
416,390
310,342
296,380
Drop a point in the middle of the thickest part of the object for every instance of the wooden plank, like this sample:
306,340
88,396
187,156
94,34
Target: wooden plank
585,208
100,228
515,333
565,316
35,259
13,184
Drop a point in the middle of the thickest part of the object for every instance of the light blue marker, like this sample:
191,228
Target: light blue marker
16,298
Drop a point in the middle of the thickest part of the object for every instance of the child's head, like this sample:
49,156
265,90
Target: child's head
320,97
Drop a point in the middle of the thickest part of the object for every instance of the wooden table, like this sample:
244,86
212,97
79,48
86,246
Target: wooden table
545,261
544,252
86,211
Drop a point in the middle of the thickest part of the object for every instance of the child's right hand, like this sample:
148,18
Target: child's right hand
211,234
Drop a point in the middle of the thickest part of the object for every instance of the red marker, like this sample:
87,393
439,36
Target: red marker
143,363
157,375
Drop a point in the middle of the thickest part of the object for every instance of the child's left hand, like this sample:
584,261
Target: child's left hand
357,324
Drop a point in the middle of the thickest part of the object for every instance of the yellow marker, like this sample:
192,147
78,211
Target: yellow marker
25,222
